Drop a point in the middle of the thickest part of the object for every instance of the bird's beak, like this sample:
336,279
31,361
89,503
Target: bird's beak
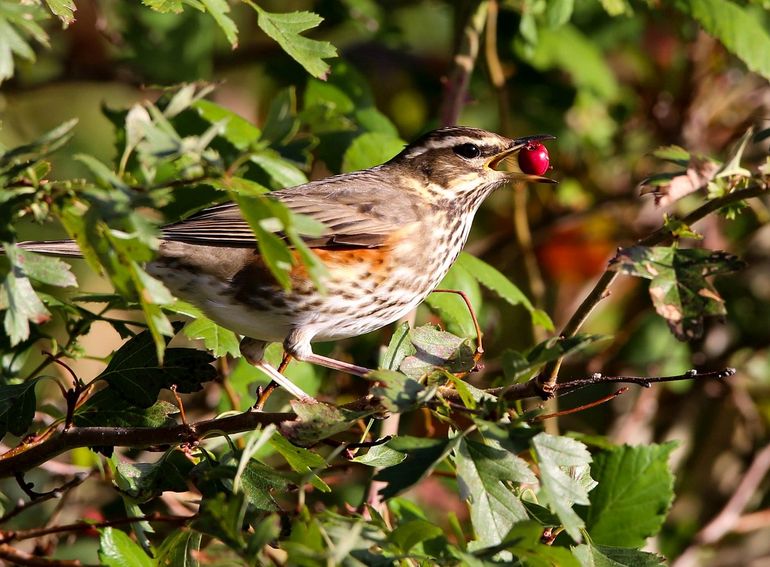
513,167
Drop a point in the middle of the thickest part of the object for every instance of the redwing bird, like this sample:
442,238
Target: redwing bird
392,233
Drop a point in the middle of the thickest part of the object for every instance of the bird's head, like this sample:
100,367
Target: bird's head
462,163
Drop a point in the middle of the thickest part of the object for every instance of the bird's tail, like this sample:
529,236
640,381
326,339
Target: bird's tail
66,248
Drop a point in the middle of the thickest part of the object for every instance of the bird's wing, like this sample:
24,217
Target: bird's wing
357,209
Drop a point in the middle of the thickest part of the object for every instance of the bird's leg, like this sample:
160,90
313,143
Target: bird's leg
299,347
265,392
254,350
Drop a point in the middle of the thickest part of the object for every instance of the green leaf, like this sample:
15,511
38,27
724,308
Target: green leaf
398,349
670,187
679,289
370,149
116,549
145,481
435,348
524,542
635,491
259,481
604,556
63,9
564,477
238,131
109,408
285,29
44,269
219,10
482,473
409,534
281,122
422,456
135,373
451,307
301,460
399,393
492,279
17,407
674,154
18,299
380,456
180,549
281,171
617,7
222,516
217,339
738,28
316,421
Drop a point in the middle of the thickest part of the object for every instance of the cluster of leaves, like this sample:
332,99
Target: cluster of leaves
274,494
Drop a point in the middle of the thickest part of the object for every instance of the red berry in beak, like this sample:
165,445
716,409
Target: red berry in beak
534,159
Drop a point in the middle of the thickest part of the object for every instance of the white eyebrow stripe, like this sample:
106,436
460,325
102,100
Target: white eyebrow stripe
449,142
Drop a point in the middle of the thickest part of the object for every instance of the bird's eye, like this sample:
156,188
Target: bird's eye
468,151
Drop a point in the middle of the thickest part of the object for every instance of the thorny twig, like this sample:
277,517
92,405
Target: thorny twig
42,497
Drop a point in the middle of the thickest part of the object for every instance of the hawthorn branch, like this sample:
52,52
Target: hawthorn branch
25,457
55,493
546,380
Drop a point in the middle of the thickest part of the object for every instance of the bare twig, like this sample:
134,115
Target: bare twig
589,405
456,88
546,380
55,493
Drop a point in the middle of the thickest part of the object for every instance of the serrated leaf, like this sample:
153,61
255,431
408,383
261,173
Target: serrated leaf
435,348
492,279
135,373
604,556
238,131
18,298
17,407
524,542
217,339
397,392
741,32
285,29
370,149
635,491
422,456
109,408
679,289
164,6
482,473
451,307
258,481
63,9
145,481
316,421
116,549
301,460
219,10
45,269
562,462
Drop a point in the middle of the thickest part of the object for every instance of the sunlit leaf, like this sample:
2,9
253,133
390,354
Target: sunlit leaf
286,28
679,289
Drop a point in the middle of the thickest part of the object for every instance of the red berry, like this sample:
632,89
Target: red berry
534,159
